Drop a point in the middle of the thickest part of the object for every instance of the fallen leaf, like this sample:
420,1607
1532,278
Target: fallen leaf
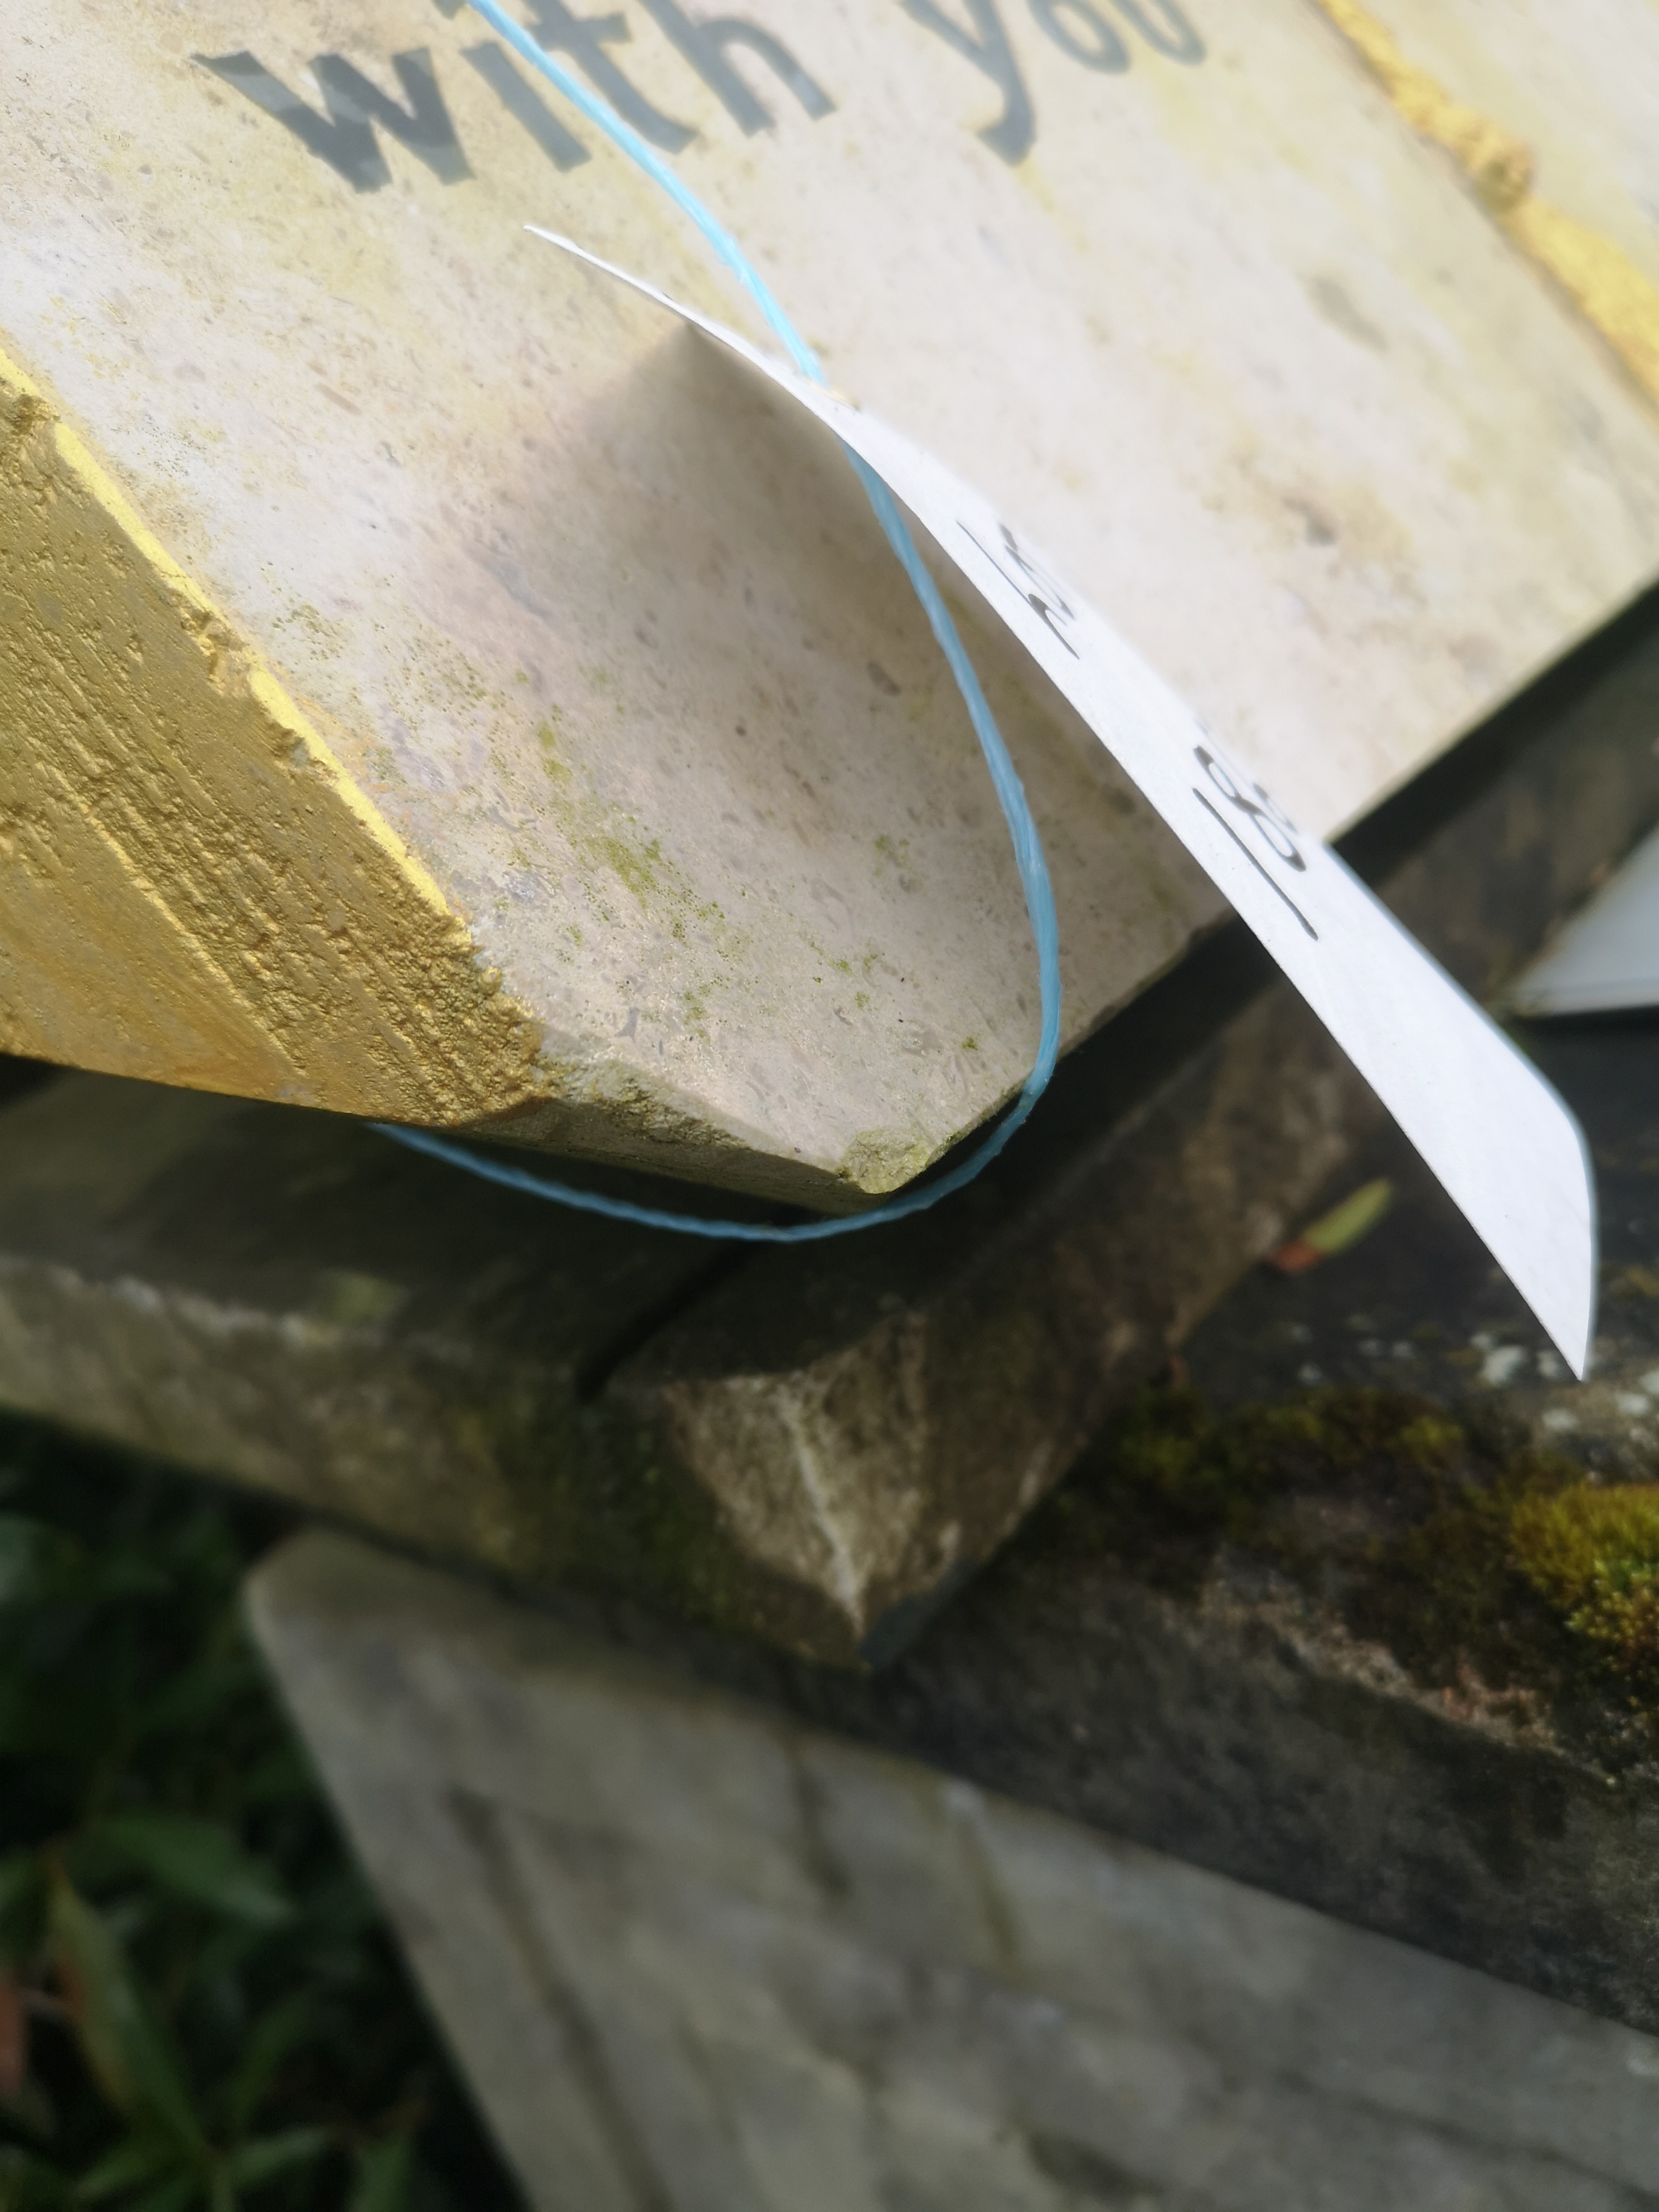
1337,1230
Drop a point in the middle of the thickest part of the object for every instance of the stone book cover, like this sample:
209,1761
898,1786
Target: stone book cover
437,690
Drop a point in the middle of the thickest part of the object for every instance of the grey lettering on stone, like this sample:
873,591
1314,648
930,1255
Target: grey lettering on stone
585,39
525,105
423,126
350,148
705,45
987,46
345,138
1166,29
1078,28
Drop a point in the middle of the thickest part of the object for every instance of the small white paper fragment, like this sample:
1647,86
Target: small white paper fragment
1608,958
1495,1134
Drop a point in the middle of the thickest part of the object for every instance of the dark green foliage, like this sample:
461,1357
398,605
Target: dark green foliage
199,2007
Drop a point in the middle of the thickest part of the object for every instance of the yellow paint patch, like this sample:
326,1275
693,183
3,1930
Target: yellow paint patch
1598,278
191,887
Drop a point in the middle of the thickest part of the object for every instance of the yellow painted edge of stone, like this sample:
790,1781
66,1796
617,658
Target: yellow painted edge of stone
1607,289
193,887
263,685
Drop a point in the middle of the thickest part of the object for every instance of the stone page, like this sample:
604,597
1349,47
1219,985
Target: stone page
696,1957
535,733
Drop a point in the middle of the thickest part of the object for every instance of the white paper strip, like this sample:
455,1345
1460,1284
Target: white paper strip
1497,1137
1608,958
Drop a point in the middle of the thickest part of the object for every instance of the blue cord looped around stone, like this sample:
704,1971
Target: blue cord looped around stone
1028,847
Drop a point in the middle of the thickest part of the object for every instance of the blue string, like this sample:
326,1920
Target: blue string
1011,794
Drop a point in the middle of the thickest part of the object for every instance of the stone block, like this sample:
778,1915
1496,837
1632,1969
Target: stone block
1323,1661
285,1299
434,689
697,1957
816,1446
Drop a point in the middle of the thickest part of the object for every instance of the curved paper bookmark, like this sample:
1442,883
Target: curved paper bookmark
1504,1144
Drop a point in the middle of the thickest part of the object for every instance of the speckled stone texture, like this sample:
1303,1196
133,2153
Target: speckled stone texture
696,1957
435,685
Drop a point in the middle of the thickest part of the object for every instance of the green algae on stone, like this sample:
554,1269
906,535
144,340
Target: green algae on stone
1391,1511
1593,1552
1170,1480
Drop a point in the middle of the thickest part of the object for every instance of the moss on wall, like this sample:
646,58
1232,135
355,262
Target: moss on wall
1485,1567
1593,1553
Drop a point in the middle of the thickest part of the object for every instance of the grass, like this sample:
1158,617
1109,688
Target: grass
200,2006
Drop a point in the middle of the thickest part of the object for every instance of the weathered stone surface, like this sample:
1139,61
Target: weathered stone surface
1241,1726
696,1957
290,1301
816,1445
206,888
531,733
287,1300
1351,1704
1423,1309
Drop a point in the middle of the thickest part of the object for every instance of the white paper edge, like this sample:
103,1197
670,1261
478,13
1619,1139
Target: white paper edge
1561,1289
